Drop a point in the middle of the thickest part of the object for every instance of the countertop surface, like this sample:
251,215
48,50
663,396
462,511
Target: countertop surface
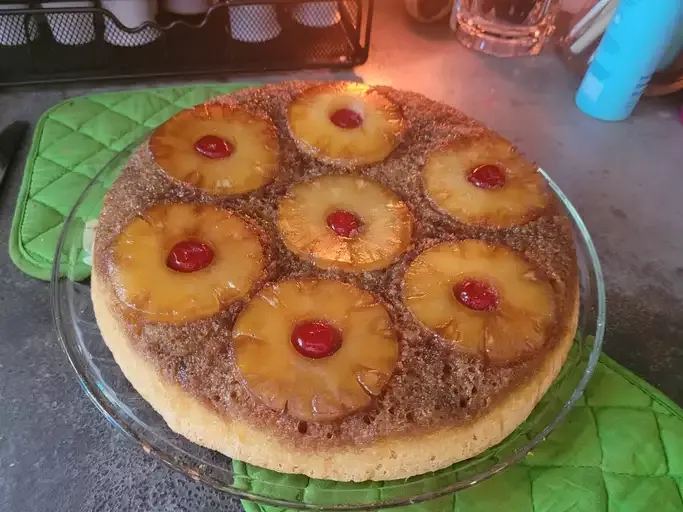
59,454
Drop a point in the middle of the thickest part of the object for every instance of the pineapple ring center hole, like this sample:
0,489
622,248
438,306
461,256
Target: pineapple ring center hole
214,147
347,118
487,176
476,295
316,339
189,256
345,223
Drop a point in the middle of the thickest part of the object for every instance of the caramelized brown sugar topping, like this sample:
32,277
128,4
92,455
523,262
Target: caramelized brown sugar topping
345,221
181,262
437,378
326,349
484,298
485,181
345,123
221,149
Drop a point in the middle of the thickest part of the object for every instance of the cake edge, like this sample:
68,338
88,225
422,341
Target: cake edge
388,458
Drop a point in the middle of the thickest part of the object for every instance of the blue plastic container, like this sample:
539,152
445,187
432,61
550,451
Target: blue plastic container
633,45
674,49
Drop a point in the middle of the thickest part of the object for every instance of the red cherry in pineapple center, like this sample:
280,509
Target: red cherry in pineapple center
346,118
213,147
476,295
316,339
189,256
487,176
344,223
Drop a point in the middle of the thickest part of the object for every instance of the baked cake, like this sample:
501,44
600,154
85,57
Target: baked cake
349,282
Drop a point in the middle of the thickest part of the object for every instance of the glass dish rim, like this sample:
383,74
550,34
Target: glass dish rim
108,410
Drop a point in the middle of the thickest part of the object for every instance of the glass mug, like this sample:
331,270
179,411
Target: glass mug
505,28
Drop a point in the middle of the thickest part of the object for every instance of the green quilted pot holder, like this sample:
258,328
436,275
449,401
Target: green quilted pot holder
619,450
72,142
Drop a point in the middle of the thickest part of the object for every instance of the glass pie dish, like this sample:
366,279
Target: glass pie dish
113,395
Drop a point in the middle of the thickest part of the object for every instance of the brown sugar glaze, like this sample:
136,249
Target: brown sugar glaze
434,385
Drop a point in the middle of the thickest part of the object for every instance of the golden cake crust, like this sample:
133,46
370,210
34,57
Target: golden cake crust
440,405
391,458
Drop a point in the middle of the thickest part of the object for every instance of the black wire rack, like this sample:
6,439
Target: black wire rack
43,43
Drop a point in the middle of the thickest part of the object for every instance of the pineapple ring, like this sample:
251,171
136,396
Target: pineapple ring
519,197
306,388
386,222
524,301
142,277
249,159
310,118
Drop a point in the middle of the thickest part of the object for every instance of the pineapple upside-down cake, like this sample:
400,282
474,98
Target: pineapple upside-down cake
343,281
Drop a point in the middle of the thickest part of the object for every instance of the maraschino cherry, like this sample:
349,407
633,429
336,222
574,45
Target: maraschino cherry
476,295
189,256
346,118
213,147
487,176
316,339
344,223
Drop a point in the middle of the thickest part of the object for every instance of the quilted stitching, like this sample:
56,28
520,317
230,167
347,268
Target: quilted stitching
568,489
515,487
620,450
637,449
630,493
73,141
